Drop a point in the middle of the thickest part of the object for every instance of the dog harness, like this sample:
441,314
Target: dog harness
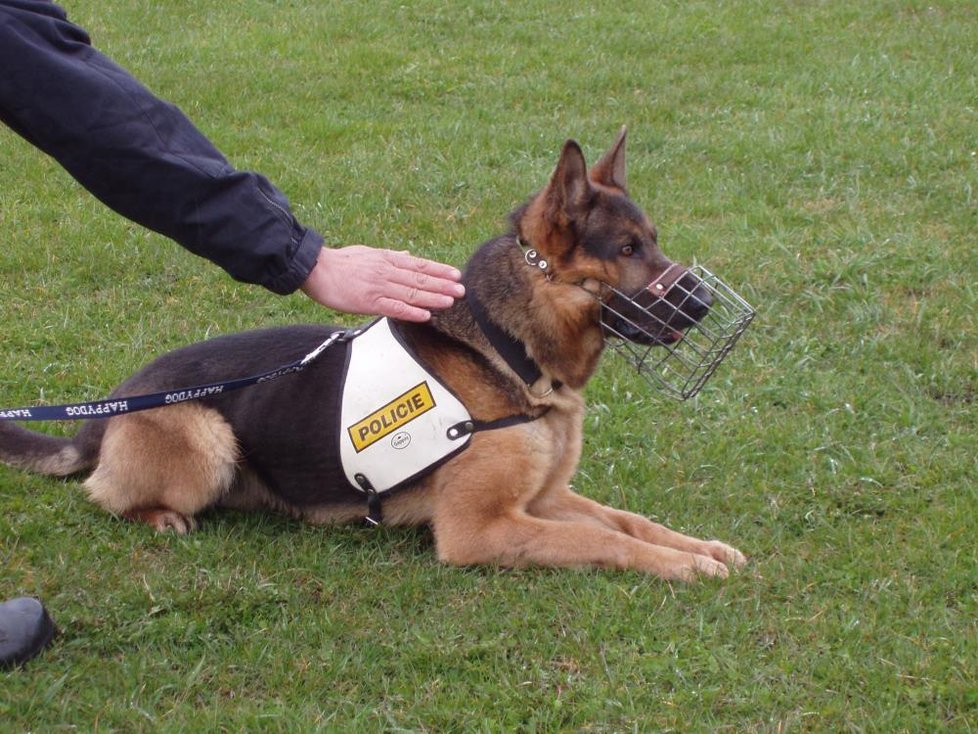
398,422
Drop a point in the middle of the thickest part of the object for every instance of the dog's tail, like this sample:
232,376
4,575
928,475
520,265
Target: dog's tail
39,452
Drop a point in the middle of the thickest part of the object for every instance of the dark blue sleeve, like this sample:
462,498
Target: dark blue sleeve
140,155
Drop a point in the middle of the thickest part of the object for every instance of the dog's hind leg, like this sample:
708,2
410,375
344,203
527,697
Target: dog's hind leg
164,466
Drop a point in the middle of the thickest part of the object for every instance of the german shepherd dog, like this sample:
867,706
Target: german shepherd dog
507,498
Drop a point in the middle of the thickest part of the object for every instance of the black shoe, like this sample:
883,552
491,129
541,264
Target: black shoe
25,630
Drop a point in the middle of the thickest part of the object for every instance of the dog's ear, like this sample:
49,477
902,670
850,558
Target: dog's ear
569,192
610,170
549,219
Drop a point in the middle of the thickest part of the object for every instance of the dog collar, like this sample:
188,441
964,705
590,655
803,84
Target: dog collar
533,258
511,349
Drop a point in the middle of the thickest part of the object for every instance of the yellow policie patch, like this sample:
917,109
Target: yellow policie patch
396,414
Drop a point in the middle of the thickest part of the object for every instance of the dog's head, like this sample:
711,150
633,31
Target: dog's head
591,234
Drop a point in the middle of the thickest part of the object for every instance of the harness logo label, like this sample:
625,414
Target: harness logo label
401,440
394,416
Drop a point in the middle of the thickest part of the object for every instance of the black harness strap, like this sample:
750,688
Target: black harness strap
511,349
375,510
475,426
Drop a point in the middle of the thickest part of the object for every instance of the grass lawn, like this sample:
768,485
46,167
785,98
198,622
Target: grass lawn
822,157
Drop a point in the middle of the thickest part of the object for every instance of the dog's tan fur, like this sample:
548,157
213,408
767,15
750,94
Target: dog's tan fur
507,498
164,466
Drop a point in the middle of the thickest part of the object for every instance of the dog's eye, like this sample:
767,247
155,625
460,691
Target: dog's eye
628,250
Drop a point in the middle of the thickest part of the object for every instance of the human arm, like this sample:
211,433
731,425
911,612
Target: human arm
140,155
146,160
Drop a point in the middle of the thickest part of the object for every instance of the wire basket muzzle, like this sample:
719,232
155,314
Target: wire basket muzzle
676,331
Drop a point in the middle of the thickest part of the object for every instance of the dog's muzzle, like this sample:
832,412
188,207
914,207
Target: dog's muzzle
677,330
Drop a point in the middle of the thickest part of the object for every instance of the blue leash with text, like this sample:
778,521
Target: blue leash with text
119,406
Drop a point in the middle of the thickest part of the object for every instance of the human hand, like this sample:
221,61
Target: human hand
367,280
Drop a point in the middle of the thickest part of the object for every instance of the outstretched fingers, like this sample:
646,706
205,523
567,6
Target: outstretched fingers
366,280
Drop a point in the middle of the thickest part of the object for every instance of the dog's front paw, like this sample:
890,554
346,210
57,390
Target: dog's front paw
724,553
695,567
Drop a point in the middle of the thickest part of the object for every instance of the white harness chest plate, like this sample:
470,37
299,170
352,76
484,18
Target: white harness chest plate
395,415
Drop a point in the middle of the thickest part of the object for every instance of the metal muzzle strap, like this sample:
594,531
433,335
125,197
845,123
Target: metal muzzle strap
666,280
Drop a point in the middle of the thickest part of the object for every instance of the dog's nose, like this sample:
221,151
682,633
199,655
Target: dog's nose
698,301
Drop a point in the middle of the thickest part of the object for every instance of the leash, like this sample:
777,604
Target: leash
119,406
